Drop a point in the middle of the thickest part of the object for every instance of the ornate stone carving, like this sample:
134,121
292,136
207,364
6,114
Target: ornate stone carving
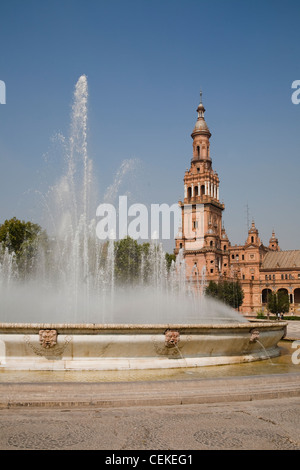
48,338
254,336
54,351
172,338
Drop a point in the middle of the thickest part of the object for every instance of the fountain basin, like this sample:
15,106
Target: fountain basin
124,347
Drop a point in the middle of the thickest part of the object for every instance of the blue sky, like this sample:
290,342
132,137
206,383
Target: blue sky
146,62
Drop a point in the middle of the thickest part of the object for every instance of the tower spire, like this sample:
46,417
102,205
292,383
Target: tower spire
201,126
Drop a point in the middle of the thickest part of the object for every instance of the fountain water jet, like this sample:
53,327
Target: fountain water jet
99,325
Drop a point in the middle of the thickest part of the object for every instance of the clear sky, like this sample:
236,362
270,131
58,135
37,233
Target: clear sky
146,61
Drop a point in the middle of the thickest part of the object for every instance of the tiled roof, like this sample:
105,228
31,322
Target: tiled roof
281,259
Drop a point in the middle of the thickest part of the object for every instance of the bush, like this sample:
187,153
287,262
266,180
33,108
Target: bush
231,293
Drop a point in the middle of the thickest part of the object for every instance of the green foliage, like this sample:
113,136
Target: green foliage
260,314
22,238
169,258
278,302
231,293
128,258
133,263
16,235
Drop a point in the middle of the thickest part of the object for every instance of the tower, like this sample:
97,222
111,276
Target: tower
203,240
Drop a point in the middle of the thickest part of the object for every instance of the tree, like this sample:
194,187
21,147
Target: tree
169,258
231,293
278,302
16,234
22,239
139,262
128,258
212,290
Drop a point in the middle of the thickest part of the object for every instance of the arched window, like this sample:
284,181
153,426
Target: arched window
297,295
282,290
202,190
196,190
264,295
198,150
189,192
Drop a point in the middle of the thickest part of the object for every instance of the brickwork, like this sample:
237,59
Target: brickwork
205,244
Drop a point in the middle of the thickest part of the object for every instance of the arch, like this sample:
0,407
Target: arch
202,190
196,191
297,295
189,192
198,150
283,291
264,295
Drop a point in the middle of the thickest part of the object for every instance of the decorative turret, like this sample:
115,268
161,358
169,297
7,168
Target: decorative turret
201,135
273,243
225,243
253,238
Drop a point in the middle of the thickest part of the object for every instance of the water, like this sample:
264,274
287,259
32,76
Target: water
72,276
264,349
282,364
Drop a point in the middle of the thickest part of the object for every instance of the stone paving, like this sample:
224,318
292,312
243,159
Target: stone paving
262,424
293,330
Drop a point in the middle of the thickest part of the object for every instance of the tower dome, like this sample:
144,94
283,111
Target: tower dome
201,127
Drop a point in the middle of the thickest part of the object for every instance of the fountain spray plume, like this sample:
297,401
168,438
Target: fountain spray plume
73,194
75,278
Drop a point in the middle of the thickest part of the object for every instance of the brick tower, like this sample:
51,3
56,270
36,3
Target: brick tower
202,238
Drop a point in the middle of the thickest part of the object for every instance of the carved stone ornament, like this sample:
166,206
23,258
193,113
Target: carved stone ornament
172,338
48,338
254,336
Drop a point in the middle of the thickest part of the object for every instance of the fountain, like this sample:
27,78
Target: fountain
69,313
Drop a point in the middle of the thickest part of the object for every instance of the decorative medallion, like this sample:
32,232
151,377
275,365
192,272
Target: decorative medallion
48,344
254,336
48,338
172,338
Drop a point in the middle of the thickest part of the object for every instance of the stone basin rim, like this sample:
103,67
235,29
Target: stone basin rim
86,328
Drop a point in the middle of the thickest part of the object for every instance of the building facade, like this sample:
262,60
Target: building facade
205,246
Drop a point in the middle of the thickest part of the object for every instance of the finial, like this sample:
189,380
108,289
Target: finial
201,96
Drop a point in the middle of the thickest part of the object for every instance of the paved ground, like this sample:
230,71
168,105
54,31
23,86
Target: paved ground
262,424
258,412
293,330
